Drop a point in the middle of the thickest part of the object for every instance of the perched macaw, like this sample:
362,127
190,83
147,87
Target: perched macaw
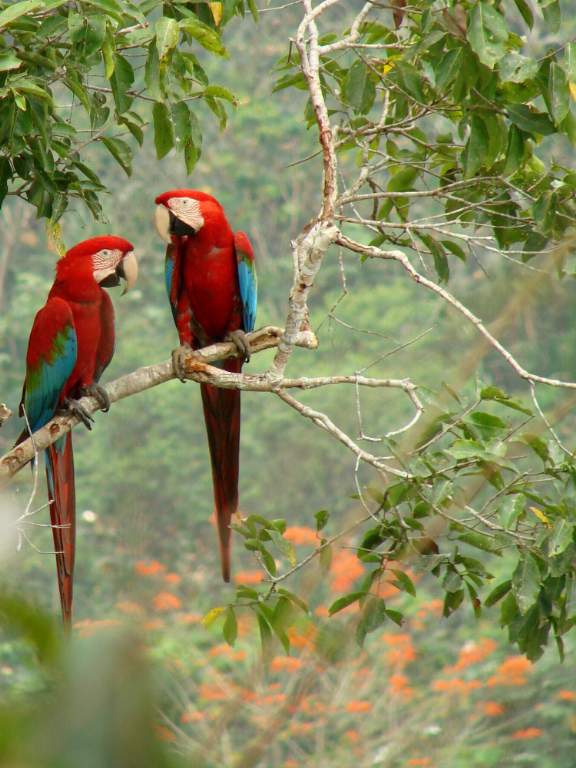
70,345
212,288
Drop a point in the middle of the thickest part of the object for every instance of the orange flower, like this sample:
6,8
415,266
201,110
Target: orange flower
166,601
288,663
512,671
248,577
352,735
492,708
290,763
434,607
527,733
300,534
472,653
130,608
192,716
419,761
190,618
456,685
357,705
402,650
172,578
153,624
148,568
302,639
88,627
567,695
302,727
345,569
273,698
399,686
163,733
212,692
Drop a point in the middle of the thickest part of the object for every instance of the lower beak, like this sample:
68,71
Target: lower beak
128,271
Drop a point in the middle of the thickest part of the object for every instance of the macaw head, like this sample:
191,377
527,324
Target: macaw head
183,212
107,258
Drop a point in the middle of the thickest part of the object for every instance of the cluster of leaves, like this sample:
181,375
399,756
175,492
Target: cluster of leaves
72,76
450,111
478,484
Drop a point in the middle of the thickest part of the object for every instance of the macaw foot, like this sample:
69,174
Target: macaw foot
179,356
73,406
99,394
240,339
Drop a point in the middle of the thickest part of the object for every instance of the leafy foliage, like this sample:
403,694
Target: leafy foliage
72,76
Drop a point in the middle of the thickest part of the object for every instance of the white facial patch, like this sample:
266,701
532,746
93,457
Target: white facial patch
104,263
187,210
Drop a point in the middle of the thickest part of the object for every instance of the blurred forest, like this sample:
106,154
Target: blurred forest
435,692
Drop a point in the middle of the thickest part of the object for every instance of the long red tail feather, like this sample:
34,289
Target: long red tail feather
222,417
60,476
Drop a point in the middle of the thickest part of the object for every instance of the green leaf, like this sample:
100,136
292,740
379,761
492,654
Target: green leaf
487,33
204,35
163,129
515,68
526,582
108,51
477,540
487,424
449,68
230,628
454,249
344,602
558,94
120,151
404,582
495,393
152,73
476,149
9,61
167,36
525,11
498,593
373,616
570,61
358,89
220,92
514,151
552,14
321,517
17,10
562,536
530,120
120,82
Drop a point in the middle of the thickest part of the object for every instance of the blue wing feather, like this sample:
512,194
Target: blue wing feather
169,276
247,280
54,332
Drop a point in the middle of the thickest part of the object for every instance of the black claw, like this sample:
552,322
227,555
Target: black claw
74,407
100,394
178,356
242,344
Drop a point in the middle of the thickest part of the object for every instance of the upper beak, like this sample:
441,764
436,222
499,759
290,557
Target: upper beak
162,221
128,270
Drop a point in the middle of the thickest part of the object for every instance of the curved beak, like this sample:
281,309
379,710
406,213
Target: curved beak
128,270
162,222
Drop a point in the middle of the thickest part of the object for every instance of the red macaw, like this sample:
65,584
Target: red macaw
212,288
70,345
